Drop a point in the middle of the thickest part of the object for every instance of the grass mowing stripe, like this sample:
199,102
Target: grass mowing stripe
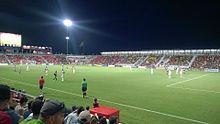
180,82
124,105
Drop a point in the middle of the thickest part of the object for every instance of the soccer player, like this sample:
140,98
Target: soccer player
41,84
27,67
177,70
46,70
19,70
181,72
73,69
14,68
152,70
169,73
55,75
84,88
62,75
62,67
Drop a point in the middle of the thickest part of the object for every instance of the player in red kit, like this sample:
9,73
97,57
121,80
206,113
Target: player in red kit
41,84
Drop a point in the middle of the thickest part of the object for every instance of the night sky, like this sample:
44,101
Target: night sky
114,25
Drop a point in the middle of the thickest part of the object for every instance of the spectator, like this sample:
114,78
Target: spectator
72,118
5,96
113,120
52,112
102,121
15,118
35,108
74,108
95,103
94,120
20,108
87,108
28,112
84,117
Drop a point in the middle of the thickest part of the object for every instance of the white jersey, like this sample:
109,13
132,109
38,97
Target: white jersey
62,67
177,70
62,76
181,73
74,71
27,69
152,71
46,70
169,73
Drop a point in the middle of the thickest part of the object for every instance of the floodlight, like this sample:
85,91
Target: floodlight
67,22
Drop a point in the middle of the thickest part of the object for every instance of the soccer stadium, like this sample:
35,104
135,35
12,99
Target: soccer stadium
130,82
136,83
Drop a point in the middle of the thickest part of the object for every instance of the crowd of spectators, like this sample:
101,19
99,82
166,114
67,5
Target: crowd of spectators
180,60
61,59
16,59
51,59
207,61
109,60
77,60
116,59
200,62
16,108
3,59
151,60
36,59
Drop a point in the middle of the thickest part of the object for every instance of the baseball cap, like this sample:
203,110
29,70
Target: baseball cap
84,117
51,107
5,92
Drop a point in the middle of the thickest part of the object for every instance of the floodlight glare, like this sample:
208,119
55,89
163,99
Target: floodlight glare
67,38
67,22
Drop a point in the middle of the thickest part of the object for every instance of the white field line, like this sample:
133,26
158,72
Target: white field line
201,90
120,104
180,82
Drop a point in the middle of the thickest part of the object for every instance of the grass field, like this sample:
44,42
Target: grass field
142,98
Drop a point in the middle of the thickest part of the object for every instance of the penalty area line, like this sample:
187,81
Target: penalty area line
180,82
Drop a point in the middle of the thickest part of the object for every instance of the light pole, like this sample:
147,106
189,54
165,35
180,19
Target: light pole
67,23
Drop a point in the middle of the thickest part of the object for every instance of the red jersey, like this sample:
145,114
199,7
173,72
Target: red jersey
41,82
4,118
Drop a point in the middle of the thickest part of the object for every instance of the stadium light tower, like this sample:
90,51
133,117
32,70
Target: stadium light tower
67,23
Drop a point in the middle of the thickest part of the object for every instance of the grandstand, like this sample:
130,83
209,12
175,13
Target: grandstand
198,59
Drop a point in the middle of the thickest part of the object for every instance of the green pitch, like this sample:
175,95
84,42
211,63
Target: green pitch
142,98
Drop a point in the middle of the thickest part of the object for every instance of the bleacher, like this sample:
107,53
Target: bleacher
180,60
3,59
151,60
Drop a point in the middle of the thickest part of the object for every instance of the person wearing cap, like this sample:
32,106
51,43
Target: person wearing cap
84,117
5,97
52,112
